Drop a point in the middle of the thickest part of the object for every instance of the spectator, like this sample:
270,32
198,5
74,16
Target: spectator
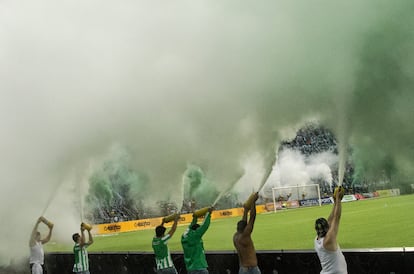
36,259
194,257
81,265
162,253
243,242
330,255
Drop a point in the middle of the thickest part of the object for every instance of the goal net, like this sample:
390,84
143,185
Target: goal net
295,196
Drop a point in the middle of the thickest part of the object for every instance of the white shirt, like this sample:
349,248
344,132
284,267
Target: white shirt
332,262
36,253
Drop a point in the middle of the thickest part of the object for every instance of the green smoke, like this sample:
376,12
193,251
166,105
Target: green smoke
210,83
198,187
115,189
383,100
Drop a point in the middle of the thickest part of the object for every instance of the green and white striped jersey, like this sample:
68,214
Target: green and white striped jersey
162,253
81,258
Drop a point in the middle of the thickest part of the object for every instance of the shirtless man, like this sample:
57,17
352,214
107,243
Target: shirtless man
243,242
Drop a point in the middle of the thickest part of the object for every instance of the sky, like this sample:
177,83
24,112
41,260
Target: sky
216,84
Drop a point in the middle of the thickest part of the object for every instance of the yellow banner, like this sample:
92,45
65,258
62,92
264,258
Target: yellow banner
389,192
154,222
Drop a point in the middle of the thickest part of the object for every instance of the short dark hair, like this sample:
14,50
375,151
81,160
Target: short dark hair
321,227
241,225
195,226
160,230
75,237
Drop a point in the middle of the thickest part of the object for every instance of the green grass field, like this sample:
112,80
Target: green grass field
374,223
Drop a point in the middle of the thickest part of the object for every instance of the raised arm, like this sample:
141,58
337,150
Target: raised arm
249,227
32,240
174,226
206,223
330,242
338,194
245,210
194,221
331,215
195,218
252,214
49,235
90,238
82,238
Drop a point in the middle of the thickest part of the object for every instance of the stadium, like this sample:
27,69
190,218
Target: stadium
283,240
117,115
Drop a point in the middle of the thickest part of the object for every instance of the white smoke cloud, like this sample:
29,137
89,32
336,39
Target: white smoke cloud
294,168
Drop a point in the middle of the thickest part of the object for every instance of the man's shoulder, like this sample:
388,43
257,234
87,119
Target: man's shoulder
191,235
166,237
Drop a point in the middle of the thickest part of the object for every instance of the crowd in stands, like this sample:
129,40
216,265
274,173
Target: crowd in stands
310,139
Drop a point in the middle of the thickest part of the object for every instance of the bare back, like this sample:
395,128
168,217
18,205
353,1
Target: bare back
245,248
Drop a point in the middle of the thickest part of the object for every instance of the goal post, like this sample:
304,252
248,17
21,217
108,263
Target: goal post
298,193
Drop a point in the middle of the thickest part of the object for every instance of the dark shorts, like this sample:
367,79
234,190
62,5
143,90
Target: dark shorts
200,271
170,270
249,270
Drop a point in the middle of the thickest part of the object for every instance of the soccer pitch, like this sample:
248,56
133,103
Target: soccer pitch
372,223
